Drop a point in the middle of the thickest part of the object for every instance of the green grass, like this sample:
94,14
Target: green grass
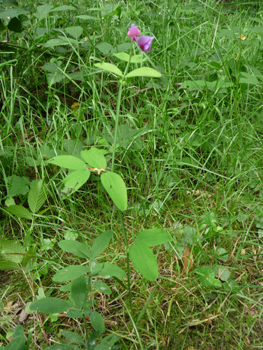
189,150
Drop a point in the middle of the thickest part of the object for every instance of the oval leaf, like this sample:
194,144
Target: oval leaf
70,273
110,270
77,179
76,248
109,67
102,287
153,237
144,72
50,305
116,189
94,157
97,322
101,243
69,162
79,291
19,211
144,261
37,196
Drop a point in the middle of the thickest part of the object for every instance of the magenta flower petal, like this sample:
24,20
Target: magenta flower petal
133,32
144,42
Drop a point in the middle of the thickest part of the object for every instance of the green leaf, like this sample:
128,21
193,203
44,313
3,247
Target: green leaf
76,248
11,250
144,261
101,243
15,25
63,8
105,48
37,196
18,342
75,313
72,336
126,57
69,162
79,291
144,72
206,276
222,254
97,322
19,211
50,305
8,265
95,158
70,273
153,237
55,42
222,272
102,287
74,31
19,185
109,67
76,179
248,79
111,270
116,189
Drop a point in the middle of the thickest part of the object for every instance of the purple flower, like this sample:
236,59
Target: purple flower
133,32
144,42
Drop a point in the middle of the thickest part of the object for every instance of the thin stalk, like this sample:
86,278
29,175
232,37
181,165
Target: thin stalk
121,83
128,257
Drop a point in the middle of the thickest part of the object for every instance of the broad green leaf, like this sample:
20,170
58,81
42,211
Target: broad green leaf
63,8
107,342
144,261
109,67
79,291
249,79
126,57
74,31
116,189
109,270
50,305
77,179
18,342
206,275
144,72
95,158
55,42
222,254
102,287
15,25
222,272
153,237
97,322
76,248
72,336
70,273
19,211
101,243
75,313
69,162
42,11
19,185
37,196
104,48
8,265
11,250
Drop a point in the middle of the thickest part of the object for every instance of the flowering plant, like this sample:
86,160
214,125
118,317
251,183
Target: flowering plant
144,42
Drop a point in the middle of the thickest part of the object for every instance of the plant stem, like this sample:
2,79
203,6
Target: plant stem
128,257
121,83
